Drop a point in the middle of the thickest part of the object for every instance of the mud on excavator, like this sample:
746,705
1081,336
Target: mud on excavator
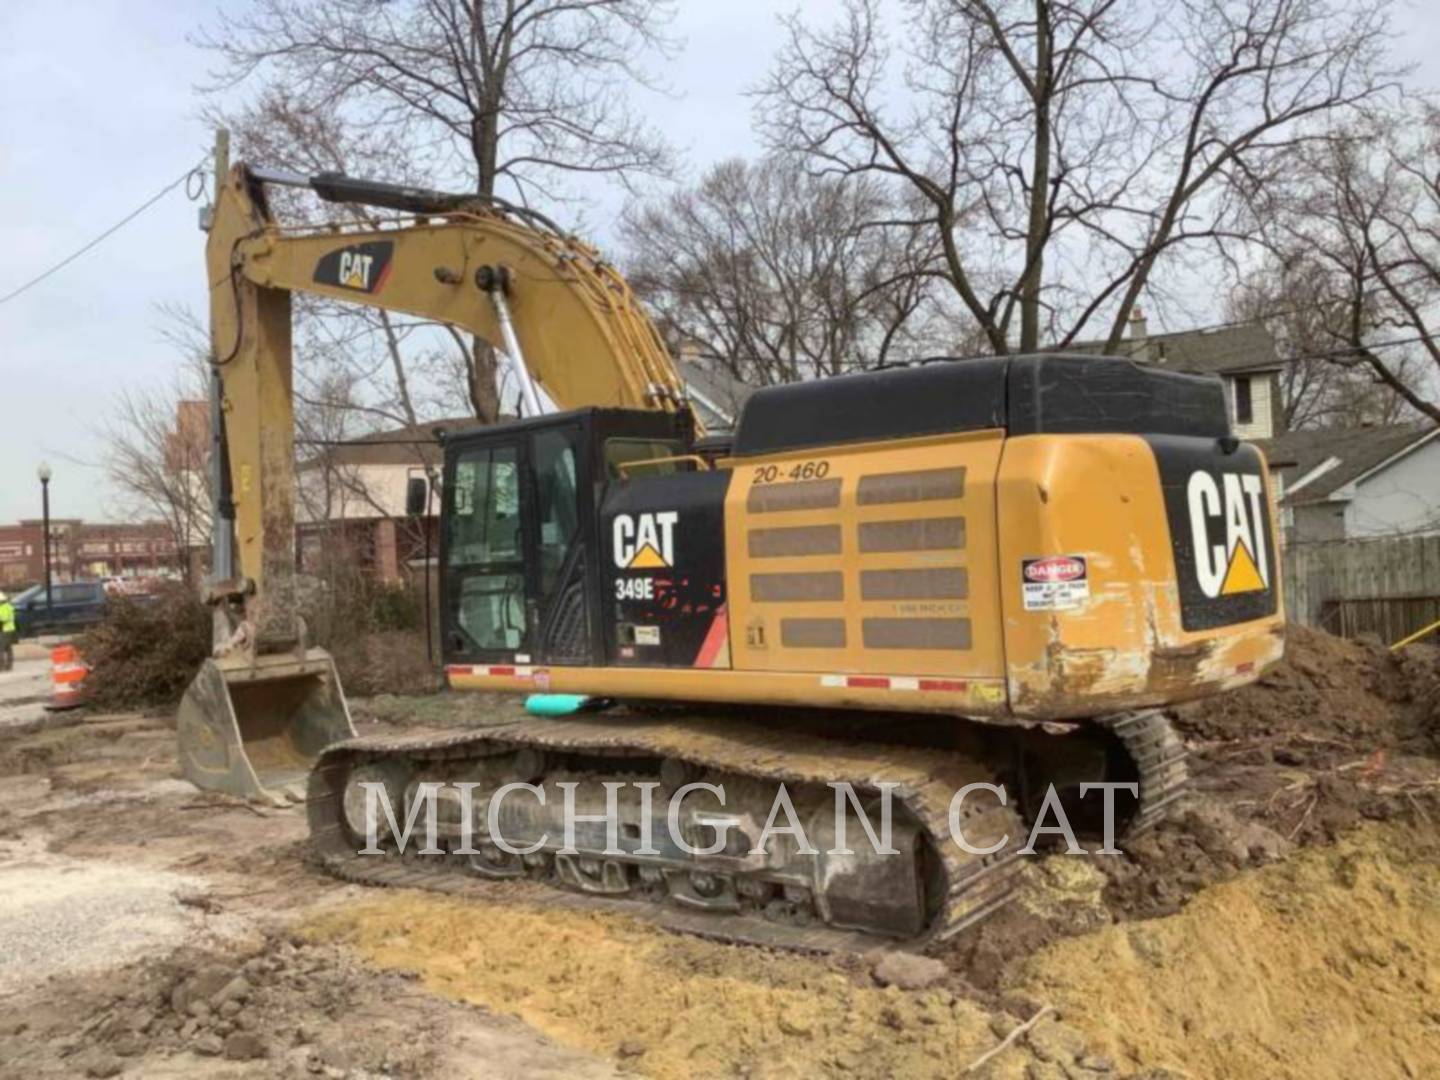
996,570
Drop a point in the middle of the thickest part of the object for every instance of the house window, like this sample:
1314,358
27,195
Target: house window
1244,408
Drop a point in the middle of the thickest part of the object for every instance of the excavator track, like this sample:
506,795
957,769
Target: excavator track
1158,754
960,888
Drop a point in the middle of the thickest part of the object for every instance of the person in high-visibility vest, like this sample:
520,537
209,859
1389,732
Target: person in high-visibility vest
7,633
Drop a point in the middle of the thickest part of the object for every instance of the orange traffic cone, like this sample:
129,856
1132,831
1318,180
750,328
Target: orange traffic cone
67,678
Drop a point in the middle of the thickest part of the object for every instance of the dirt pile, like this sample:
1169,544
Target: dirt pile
1323,966
277,1006
677,1007
1331,693
1341,733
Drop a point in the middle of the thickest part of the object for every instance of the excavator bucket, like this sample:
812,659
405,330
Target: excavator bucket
254,728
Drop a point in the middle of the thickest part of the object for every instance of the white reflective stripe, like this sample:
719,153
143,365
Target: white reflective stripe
493,671
940,683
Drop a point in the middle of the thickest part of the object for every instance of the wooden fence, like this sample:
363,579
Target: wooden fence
1388,586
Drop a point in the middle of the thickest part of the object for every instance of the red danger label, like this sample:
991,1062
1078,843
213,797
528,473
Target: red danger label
1055,568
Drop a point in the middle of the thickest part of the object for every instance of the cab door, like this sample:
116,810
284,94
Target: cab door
517,512
483,553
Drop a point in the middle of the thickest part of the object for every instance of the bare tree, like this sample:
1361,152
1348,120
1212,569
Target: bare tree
1353,227
508,97
779,275
157,443
1315,303
1399,209
1068,152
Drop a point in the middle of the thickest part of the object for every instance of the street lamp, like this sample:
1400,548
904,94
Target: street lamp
43,472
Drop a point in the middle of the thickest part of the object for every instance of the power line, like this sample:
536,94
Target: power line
104,235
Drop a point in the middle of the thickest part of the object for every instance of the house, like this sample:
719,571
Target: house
1243,355
715,394
1357,483
352,499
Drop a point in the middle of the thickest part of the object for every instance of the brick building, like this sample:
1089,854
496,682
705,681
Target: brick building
82,550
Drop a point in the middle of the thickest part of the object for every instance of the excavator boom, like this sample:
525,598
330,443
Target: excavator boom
264,705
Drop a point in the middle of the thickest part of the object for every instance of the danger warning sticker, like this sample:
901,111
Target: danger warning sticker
1055,583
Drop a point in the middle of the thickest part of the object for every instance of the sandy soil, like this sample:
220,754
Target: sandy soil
1284,925
1325,965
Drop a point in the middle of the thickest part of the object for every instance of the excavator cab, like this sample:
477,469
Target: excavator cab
521,583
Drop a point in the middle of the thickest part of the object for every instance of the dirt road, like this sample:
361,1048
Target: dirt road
24,687
131,906
1288,924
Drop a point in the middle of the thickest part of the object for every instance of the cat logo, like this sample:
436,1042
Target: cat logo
648,544
355,270
1227,524
359,267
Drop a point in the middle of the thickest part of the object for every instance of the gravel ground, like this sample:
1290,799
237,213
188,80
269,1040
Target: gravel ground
64,916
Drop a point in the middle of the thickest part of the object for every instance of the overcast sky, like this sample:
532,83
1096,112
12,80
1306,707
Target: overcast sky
97,113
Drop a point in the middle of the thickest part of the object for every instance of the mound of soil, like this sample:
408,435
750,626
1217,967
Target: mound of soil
678,1007
1340,733
1322,966
1329,693
273,1007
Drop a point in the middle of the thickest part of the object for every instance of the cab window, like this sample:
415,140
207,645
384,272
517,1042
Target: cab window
630,452
485,508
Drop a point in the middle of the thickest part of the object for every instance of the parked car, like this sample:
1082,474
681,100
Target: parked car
74,606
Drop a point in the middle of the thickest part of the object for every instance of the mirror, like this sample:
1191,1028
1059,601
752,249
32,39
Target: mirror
417,494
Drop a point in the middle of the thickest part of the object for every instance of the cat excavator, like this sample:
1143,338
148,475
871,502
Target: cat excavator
991,575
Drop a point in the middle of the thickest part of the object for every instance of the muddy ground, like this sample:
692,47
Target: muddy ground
1287,923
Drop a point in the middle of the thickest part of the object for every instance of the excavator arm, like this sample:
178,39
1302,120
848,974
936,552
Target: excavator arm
567,321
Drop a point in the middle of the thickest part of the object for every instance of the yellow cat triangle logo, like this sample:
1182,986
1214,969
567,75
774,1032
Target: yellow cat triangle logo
647,558
1241,575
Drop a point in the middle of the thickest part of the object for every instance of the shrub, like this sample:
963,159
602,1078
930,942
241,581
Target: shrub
147,650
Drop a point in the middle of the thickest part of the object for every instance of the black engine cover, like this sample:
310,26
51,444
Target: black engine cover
662,565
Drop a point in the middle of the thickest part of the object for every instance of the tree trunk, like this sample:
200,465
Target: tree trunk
1037,227
484,395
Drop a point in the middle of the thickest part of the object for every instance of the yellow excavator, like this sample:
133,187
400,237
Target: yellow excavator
891,584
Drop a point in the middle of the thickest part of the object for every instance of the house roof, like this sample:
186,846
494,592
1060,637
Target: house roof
1222,350
411,445
714,390
1357,451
